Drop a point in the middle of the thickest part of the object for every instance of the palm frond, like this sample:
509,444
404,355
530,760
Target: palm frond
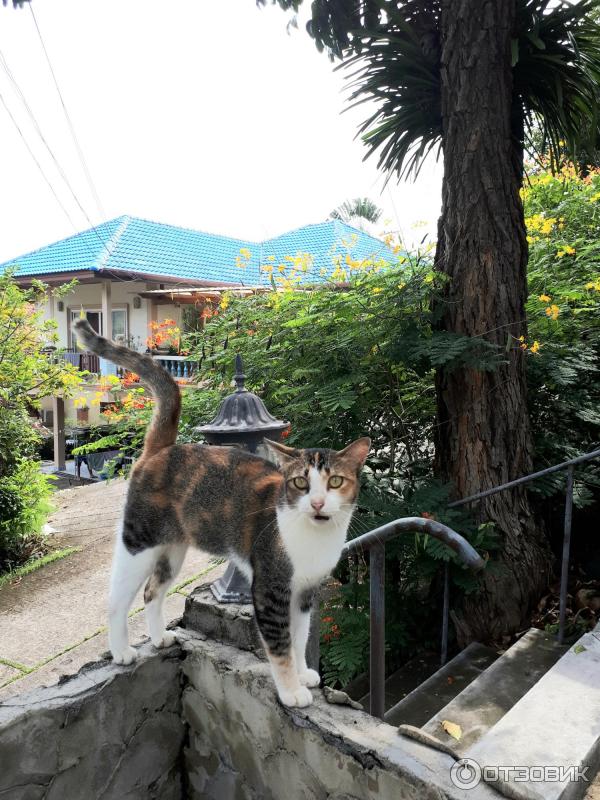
556,66
360,208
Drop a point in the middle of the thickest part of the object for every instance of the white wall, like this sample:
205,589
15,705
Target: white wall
122,294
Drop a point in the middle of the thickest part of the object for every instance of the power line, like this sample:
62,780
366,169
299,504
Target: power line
70,124
38,129
39,166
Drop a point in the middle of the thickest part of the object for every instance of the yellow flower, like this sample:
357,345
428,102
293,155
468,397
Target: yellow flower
521,338
567,250
268,268
245,253
376,290
535,347
545,298
552,312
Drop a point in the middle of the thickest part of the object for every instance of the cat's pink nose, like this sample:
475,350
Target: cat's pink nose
317,504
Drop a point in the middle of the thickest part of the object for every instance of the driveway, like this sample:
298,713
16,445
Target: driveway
53,620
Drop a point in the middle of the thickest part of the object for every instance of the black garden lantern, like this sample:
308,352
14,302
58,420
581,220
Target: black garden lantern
242,420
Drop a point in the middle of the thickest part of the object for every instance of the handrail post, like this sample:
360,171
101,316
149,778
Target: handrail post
564,573
445,614
377,614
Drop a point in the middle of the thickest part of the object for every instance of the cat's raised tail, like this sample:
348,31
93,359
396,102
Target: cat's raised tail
162,430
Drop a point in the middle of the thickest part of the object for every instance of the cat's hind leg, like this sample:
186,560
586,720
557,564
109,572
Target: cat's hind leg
129,571
166,569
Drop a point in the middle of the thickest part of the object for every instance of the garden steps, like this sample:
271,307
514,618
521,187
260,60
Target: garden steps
556,724
487,699
428,697
538,705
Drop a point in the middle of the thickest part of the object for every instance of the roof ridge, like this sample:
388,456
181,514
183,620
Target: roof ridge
60,241
110,246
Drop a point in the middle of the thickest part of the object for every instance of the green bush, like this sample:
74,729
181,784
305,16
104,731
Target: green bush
27,374
25,503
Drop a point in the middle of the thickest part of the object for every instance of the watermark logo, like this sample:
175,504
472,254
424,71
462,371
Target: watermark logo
467,774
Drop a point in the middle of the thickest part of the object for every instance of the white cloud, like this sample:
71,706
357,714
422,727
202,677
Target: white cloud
200,113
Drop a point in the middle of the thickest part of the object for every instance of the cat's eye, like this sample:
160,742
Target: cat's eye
300,482
335,481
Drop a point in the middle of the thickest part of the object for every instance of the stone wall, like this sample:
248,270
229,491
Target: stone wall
243,745
202,722
109,733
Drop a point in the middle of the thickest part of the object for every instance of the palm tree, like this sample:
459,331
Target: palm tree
473,80
360,212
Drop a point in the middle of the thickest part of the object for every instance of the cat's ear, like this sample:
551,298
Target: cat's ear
356,452
281,453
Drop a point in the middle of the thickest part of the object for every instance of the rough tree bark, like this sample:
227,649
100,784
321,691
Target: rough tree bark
483,425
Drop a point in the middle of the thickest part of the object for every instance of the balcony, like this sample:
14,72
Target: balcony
181,367
85,362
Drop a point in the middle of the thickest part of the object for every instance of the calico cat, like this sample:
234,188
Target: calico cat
284,526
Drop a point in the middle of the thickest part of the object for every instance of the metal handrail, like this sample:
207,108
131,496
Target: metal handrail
375,540
569,466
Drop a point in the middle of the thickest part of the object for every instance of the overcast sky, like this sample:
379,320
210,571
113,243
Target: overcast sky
200,113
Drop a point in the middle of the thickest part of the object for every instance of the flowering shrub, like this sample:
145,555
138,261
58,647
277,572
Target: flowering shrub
27,373
563,220
164,334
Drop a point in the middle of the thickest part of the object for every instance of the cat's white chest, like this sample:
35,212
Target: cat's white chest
314,550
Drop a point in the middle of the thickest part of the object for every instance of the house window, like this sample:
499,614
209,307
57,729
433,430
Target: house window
120,328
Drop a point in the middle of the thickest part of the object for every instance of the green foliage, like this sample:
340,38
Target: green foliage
357,210
338,365
27,494
27,373
563,219
393,55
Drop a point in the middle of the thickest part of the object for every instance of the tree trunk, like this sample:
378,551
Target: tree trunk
483,425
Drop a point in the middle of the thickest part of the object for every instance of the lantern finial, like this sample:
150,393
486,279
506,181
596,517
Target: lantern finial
239,376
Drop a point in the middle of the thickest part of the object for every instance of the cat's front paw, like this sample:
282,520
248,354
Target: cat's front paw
299,698
310,678
166,640
125,656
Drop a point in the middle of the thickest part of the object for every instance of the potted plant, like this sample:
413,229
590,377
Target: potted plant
164,337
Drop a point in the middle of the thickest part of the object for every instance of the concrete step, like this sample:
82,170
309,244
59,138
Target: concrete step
426,699
555,725
226,622
488,698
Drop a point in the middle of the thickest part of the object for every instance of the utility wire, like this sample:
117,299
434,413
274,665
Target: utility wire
17,88
39,166
68,118
36,125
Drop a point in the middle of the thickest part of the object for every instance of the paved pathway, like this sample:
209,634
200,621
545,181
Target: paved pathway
52,621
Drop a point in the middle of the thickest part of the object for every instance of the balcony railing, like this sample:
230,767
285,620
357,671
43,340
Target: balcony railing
85,362
182,367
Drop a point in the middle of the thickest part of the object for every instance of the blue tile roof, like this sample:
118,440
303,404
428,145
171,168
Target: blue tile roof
129,244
